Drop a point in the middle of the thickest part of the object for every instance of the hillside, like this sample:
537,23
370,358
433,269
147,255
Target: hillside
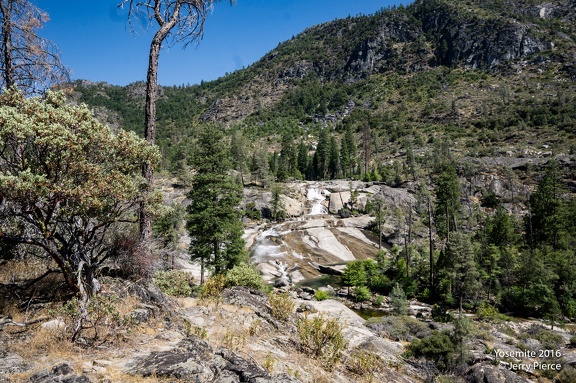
495,76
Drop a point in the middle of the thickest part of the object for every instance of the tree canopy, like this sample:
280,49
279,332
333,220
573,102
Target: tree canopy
214,218
66,182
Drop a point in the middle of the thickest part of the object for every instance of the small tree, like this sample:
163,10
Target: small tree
398,300
66,182
214,217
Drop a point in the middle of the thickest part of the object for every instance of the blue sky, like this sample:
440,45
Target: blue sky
96,43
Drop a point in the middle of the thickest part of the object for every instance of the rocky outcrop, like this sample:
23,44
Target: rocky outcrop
485,373
467,38
194,360
60,373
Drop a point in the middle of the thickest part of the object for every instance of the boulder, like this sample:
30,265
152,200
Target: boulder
194,360
338,200
59,373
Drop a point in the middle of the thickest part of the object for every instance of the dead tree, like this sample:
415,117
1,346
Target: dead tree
28,61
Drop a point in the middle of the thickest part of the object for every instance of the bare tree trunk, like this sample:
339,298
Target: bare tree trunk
431,243
150,117
6,10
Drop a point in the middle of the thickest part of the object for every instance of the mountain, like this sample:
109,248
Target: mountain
495,76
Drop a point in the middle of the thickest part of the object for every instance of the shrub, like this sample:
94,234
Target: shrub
362,293
364,362
282,305
437,347
398,327
321,295
322,338
549,339
213,287
174,282
490,313
244,275
101,321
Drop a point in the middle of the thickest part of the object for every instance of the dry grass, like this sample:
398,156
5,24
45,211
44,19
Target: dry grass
45,343
22,270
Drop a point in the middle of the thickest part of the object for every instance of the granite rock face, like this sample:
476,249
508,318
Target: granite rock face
194,360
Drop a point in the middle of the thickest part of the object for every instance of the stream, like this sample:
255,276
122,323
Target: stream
289,252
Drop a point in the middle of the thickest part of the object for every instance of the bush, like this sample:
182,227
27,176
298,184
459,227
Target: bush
321,295
399,328
362,293
322,338
244,275
549,339
364,362
490,313
213,287
437,347
282,305
101,322
174,282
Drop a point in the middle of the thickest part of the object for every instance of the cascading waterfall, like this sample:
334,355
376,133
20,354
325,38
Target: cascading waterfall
317,197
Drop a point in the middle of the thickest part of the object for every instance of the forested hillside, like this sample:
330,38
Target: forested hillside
436,97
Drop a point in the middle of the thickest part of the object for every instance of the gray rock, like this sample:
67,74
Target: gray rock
282,282
11,363
484,373
194,360
140,315
59,373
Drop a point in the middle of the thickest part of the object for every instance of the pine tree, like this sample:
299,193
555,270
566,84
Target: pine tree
303,159
333,159
348,153
447,202
547,221
214,220
462,268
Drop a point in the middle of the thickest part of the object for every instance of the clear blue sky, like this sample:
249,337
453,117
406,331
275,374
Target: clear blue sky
96,43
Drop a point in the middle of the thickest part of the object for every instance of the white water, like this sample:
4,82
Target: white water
317,197
264,248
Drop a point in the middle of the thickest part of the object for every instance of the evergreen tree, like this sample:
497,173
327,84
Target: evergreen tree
322,155
348,153
447,202
303,159
214,220
547,221
461,268
333,159
259,167
238,150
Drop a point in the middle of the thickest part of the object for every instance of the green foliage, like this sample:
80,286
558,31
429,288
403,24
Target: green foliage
398,301
322,338
490,313
81,179
245,275
361,293
365,362
213,287
549,339
98,321
174,282
281,305
320,295
398,328
252,212
214,218
437,347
